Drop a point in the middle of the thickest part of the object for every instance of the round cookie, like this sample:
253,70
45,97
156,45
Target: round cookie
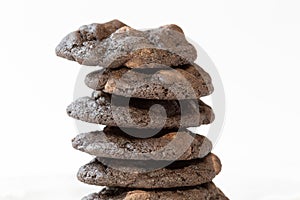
112,142
140,113
117,173
121,45
187,82
201,192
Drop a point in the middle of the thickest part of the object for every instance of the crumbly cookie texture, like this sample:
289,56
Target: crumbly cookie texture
76,44
113,44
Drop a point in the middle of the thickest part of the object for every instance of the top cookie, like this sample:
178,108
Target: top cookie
113,44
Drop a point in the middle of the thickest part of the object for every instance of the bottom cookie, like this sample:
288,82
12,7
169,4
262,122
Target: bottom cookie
206,191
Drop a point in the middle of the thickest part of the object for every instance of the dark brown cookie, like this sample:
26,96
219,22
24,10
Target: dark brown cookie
114,143
207,191
164,46
140,113
179,174
187,82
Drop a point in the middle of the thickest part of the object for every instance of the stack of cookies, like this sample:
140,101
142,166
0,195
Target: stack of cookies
147,93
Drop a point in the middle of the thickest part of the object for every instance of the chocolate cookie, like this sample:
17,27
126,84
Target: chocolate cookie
114,143
179,174
140,113
113,44
207,191
187,82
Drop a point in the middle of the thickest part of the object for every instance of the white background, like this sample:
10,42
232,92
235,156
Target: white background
254,44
